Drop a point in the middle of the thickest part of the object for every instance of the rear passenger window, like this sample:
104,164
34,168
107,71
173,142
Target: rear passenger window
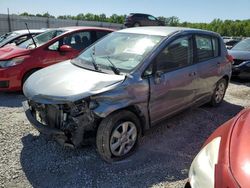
177,54
215,43
207,47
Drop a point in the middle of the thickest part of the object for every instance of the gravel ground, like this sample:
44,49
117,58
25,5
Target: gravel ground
28,159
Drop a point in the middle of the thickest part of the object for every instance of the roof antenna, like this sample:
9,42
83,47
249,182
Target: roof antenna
31,35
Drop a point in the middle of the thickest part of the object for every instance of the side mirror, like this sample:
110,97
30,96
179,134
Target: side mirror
66,48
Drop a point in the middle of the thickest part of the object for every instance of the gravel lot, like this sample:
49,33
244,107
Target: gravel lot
162,160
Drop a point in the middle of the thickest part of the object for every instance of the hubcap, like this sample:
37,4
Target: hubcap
219,93
123,138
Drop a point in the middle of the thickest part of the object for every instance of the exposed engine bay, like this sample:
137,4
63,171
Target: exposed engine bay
73,119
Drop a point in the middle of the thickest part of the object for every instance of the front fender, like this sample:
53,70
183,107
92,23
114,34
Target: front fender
133,96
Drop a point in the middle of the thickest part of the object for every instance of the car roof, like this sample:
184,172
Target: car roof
24,31
143,14
162,30
75,28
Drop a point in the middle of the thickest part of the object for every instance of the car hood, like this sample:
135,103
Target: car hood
240,150
242,55
65,82
10,51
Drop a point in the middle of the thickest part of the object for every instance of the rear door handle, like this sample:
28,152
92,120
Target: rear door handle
192,74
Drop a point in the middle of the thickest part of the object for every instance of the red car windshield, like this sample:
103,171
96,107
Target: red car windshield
41,39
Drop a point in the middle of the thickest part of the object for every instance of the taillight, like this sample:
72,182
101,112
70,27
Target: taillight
230,58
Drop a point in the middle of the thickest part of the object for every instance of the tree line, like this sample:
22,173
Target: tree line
224,27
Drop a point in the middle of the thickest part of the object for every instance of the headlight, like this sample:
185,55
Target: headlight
201,173
12,62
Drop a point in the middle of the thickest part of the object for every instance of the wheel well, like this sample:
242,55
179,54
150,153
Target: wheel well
136,22
226,78
138,113
29,72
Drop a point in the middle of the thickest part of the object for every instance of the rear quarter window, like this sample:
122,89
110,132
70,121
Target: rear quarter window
207,47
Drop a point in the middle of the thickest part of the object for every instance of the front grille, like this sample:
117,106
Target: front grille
4,84
238,61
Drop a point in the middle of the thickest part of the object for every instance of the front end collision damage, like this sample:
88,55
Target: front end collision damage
75,123
67,123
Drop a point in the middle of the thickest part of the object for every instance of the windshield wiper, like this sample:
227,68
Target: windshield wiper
94,63
113,67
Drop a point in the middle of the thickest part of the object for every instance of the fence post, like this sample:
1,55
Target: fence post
9,23
48,23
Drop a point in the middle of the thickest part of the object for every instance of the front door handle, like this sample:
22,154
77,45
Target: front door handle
158,77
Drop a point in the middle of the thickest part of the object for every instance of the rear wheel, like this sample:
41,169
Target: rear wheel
117,136
219,92
137,24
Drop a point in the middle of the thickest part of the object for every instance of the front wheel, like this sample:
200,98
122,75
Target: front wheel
219,92
117,136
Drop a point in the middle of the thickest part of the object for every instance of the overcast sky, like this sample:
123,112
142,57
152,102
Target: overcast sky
186,10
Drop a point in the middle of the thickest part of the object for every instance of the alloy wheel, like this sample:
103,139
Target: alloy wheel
219,93
123,138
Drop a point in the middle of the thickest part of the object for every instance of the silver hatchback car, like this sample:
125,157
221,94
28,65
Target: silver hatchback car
126,83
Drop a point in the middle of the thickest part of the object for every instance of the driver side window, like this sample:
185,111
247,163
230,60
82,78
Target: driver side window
177,54
78,41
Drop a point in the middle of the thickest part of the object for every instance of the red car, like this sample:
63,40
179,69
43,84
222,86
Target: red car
224,160
17,63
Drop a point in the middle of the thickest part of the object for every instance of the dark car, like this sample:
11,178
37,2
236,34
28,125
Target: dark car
126,83
241,56
224,160
138,19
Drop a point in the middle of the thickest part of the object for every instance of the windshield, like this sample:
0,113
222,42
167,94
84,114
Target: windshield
243,45
41,39
118,52
7,36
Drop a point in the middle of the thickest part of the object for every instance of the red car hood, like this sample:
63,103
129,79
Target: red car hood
9,52
240,150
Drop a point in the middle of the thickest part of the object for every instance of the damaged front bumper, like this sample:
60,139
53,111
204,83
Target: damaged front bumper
39,126
68,126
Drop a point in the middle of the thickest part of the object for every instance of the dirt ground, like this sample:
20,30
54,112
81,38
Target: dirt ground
28,159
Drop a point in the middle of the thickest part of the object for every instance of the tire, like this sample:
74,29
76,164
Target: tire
114,141
137,24
219,92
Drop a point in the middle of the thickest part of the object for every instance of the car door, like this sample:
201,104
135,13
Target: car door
208,62
141,19
77,41
172,87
